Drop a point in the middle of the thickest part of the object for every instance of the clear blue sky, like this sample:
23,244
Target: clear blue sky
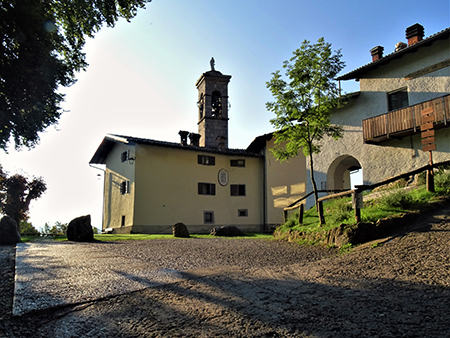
141,78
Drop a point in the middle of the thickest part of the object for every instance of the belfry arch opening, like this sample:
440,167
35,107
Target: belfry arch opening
344,173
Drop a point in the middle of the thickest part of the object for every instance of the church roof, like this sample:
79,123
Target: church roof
111,140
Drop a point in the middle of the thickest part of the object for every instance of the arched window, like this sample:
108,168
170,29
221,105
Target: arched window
216,103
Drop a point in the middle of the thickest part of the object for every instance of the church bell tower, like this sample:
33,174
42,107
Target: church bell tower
212,105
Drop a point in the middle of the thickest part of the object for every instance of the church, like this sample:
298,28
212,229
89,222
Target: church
150,185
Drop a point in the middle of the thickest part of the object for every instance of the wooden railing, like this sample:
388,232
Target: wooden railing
405,121
358,191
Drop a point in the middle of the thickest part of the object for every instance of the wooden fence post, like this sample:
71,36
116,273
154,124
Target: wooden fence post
321,215
300,213
357,204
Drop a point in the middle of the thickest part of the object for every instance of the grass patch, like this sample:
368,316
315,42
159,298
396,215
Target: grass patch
340,211
28,238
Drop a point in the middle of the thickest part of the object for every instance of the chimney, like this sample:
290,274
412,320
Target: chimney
194,139
414,34
183,134
400,45
377,53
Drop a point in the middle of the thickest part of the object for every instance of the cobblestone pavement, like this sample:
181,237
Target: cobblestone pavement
50,274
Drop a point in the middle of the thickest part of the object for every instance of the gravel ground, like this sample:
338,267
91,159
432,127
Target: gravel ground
253,288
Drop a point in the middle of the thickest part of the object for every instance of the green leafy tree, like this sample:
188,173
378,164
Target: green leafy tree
16,194
304,100
41,50
58,229
27,229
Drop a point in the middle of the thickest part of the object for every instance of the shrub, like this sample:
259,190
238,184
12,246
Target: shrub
398,199
340,210
442,181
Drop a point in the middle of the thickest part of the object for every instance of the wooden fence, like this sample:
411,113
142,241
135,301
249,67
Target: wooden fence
357,193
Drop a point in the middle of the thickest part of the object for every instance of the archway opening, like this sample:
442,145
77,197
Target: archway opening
344,173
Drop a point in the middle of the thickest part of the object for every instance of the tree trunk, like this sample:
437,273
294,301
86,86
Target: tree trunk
313,181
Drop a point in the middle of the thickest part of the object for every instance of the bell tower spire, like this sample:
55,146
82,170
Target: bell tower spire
212,105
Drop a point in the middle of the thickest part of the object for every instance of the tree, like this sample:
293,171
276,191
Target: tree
27,229
16,193
304,102
41,50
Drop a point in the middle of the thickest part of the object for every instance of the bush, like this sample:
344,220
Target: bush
398,199
442,181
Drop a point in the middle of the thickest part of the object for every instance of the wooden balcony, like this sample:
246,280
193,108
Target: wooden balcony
406,121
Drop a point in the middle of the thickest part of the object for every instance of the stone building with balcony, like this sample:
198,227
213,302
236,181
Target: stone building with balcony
382,122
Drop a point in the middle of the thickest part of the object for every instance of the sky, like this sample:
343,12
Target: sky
141,79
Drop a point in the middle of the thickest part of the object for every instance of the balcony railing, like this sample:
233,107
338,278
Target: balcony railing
406,121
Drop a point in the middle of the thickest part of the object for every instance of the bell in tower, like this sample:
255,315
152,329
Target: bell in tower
212,105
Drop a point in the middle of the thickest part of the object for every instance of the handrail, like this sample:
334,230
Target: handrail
404,121
295,204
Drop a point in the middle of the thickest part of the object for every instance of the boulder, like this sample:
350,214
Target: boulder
180,230
80,229
9,233
227,231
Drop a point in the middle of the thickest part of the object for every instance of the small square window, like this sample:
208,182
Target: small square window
237,189
237,163
125,156
208,217
242,212
398,99
125,187
206,160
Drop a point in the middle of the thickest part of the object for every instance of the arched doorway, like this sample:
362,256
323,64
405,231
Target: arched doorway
344,172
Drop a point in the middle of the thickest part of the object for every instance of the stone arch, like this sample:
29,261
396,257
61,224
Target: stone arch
338,175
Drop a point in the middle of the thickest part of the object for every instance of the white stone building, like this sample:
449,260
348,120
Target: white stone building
382,122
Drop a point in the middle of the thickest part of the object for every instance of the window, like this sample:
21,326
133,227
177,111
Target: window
398,99
208,217
237,163
206,189
242,213
237,189
206,160
123,221
125,156
125,187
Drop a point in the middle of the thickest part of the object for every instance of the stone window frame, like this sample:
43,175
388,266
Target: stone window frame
208,217
237,190
125,187
237,163
206,188
242,212
206,160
